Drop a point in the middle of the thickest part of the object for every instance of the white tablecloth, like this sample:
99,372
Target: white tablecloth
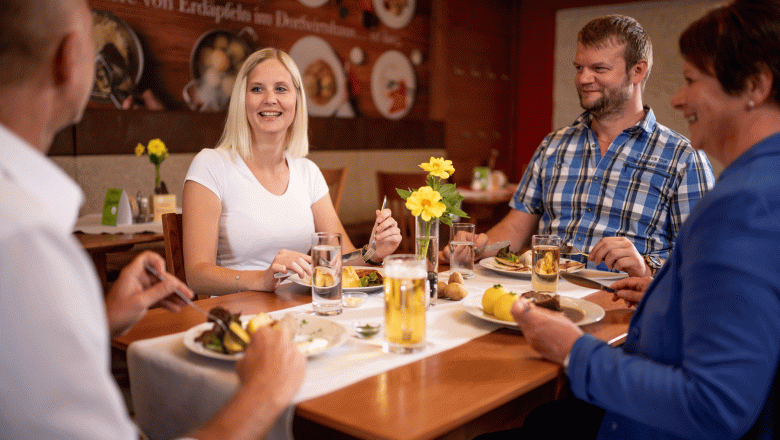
92,224
174,390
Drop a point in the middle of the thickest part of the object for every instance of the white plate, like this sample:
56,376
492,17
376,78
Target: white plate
306,282
395,19
589,311
308,50
490,263
313,3
315,335
391,75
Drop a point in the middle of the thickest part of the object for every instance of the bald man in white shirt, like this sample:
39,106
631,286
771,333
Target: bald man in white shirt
54,321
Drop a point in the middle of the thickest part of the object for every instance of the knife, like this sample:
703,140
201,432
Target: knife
585,282
490,247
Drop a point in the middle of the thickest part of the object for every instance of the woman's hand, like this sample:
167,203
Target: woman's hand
631,290
285,260
551,334
387,235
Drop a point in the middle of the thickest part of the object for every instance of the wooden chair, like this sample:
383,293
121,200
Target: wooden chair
386,185
174,251
336,178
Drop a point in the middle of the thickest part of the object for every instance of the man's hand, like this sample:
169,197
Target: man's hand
620,254
479,241
551,334
273,364
136,290
631,290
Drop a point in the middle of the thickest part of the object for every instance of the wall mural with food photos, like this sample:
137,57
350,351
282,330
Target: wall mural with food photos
357,57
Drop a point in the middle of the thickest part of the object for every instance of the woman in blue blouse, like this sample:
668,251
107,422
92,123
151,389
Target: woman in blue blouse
703,347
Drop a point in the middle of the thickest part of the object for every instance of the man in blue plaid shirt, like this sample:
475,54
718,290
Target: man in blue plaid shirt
616,184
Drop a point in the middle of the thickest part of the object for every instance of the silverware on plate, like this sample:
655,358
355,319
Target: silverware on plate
568,249
226,328
585,282
491,247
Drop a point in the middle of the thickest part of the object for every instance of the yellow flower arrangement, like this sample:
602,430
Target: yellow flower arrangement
157,153
435,200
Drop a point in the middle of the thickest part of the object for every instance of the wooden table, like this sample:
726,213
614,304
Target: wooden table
98,245
487,384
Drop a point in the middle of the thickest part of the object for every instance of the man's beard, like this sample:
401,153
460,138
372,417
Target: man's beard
612,101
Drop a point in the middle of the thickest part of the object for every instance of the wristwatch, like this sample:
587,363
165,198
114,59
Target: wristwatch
653,262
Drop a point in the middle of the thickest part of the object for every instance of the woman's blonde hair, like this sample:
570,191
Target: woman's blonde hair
237,134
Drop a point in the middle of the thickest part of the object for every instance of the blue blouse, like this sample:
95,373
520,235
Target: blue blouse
703,347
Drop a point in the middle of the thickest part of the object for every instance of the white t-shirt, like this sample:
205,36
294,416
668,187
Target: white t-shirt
255,224
55,380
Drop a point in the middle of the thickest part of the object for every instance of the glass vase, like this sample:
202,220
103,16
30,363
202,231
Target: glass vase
426,245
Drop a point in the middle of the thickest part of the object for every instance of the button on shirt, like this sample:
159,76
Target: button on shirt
643,187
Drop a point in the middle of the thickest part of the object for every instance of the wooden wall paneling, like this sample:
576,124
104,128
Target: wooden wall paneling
112,131
63,144
478,84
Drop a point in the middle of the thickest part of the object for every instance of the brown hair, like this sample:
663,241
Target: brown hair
623,30
734,42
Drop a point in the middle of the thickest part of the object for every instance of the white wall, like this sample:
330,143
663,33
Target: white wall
663,22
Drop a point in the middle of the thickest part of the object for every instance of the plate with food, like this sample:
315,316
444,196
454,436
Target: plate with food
215,61
353,279
393,84
395,13
510,263
322,74
312,334
119,59
579,311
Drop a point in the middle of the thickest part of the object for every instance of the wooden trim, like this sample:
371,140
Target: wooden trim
110,131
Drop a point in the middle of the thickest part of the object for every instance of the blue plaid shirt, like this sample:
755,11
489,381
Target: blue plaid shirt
643,188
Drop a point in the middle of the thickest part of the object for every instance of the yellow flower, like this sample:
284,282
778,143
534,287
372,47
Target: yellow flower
157,148
139,150
439,167
425,203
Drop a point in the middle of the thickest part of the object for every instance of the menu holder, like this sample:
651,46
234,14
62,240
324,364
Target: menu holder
116,208
163,204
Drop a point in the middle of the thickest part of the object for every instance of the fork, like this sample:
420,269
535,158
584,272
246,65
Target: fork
568,249
219,322
372,247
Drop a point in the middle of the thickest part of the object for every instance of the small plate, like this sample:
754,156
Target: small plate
490,263
373,289
315,335
395,14
322,71
393,84
580,311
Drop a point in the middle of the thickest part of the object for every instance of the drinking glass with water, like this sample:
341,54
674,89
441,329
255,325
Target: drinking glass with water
462,249
326,273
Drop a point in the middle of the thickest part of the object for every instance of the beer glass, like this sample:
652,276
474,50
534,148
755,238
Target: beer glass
405,303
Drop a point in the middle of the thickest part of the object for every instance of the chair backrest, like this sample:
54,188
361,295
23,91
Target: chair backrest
335,177
174,255
386,186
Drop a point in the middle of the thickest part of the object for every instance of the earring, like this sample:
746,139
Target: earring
751,105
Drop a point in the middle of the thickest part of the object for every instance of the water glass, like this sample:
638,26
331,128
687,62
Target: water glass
462,249
546,251
405,303
326,273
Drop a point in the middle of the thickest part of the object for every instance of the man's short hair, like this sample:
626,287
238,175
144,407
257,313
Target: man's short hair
622,30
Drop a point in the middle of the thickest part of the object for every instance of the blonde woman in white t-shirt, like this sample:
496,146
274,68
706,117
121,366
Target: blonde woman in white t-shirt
251,204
